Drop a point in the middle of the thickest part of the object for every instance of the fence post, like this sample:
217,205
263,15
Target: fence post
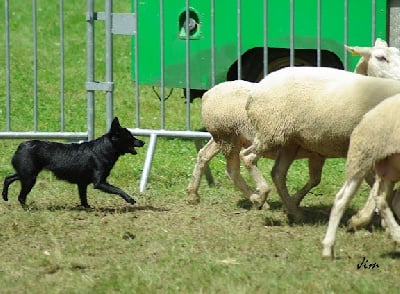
109,61
90,67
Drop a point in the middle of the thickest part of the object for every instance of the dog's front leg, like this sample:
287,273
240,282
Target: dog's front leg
83,195
108,188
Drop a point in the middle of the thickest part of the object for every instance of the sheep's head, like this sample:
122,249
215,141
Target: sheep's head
378,61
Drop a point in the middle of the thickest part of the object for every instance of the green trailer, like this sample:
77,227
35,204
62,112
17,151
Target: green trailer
227,39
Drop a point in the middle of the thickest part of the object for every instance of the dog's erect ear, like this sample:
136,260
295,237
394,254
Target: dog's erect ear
115,126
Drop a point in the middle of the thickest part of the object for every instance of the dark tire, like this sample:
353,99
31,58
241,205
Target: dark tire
253,68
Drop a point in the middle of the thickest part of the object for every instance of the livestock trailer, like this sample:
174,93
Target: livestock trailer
196,44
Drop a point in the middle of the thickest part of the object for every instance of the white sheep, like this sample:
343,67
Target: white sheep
380,61
224,116
308,108
374,143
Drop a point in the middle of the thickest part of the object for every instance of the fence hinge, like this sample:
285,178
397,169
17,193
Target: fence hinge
100,86
122,23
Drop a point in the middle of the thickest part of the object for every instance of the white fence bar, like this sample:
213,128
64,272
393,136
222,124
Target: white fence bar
187,49
265,49
373,28
35,67
213,47
8,72
345,33
136,66
109,62
62,66
239,39
319,33
162,66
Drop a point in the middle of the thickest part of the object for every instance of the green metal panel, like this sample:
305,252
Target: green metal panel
252,34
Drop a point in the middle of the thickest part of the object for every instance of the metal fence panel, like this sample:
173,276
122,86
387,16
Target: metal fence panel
129,23
31,105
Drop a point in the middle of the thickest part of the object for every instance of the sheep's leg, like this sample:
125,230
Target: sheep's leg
233,172
284,159
342,200
250,158
199,143
383,196
203,158
365,214
315,165
370,178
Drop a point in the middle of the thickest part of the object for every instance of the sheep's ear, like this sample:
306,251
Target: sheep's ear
352,50
380,43
357,51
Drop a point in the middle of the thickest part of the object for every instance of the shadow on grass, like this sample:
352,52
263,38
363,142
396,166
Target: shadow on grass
319,214
313,215
130,209
124,209
247,204
392,255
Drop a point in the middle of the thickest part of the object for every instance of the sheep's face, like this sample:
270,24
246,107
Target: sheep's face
378,61
385,63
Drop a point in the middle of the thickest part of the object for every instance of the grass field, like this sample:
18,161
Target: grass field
161,245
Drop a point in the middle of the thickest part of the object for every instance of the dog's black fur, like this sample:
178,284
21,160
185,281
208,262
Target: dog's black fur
81,164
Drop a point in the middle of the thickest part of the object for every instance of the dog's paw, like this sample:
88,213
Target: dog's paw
84,207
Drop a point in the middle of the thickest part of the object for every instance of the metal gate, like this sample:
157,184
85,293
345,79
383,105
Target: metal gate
24,55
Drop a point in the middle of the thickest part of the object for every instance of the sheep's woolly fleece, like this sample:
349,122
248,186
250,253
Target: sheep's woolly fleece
316,108
224,114
375,138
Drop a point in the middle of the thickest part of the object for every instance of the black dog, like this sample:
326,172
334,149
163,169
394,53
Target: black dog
81,164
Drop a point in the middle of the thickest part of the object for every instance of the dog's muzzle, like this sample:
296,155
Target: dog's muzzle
138,143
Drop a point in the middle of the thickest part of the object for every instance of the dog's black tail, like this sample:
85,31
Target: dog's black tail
7,182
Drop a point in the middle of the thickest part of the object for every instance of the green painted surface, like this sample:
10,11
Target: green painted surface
252,32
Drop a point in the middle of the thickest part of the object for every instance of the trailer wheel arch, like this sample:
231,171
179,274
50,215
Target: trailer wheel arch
253,69
252,62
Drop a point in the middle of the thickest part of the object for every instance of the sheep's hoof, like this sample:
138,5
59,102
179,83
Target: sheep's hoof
193,199
327,252
356,223
259,202
353,226
395,235
259,206
396,248
384,226
265,206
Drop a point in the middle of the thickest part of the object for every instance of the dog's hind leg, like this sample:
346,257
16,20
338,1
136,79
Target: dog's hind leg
108,188
7,182
83,195
27,184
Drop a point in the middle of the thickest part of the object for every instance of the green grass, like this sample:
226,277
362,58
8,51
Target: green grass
161,245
